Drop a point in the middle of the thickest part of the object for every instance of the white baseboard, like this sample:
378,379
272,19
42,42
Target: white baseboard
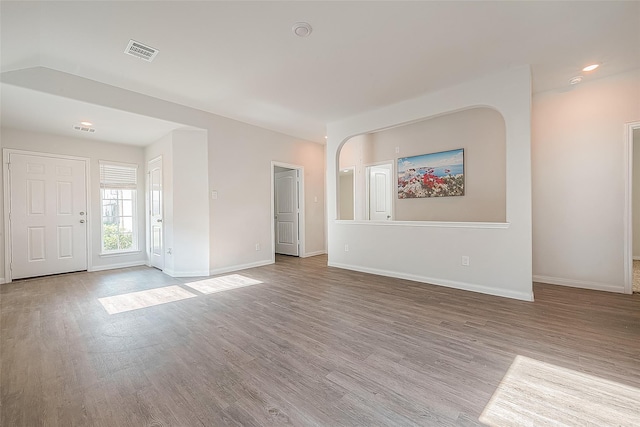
636,258
440,282
240,267
316,253
2,280
118,265
191,273
596,286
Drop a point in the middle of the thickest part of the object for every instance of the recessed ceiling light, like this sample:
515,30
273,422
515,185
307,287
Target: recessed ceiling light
591,67
575,80
326,137
301,29
82,128
86,123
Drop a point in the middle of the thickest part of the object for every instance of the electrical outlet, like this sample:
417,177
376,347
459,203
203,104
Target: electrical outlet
257,246
465,261
346,248
214,195
397,150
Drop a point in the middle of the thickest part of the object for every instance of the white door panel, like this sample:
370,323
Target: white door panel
287,218
47,218
156,252
380,192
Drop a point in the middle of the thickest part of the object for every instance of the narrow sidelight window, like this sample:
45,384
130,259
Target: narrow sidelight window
118,188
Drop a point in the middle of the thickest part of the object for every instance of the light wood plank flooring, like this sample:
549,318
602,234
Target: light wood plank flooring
312,346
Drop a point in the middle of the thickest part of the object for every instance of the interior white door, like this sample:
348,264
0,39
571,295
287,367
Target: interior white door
380,192
286,212
156,248
48,215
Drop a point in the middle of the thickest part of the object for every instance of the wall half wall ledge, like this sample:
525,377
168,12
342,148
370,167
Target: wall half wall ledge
436,224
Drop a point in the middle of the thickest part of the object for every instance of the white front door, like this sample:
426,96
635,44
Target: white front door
286,211
156,248
380,192
48,215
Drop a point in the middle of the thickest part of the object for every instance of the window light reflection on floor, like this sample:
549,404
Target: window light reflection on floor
223,283
534,393
142,299
151,297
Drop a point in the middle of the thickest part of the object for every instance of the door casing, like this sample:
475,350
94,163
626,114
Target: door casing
301,221
628,206
367,169
6,152
292,216
151,218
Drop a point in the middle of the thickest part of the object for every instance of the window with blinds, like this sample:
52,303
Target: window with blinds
118,188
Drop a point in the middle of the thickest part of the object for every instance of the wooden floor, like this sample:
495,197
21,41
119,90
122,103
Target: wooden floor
312,345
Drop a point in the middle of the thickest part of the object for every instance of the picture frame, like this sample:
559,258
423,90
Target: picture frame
439,174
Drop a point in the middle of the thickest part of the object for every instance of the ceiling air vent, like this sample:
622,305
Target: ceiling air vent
141,51
84,128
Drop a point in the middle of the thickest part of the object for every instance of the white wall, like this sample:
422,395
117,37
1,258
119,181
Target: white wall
479,131
2,241
240,171
239,167
185,182
95,151
636,194
578,181
500,254
190,204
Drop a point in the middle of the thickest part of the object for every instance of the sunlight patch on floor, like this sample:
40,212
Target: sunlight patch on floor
224,283
534,393
142,299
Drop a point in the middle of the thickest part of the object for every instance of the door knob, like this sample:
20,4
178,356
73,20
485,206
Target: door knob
158,220
81,213
82,221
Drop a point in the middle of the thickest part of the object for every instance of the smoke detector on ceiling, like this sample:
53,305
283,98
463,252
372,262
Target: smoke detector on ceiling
575,80
301,29
141,51
83,128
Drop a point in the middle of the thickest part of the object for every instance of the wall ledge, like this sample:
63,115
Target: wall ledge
583,284
524,296
435,224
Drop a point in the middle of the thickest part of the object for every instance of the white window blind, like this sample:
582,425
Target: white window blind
118,176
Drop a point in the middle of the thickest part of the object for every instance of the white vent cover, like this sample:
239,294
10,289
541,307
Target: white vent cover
141,51
84,128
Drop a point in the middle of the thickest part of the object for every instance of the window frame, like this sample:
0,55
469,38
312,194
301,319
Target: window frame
131,185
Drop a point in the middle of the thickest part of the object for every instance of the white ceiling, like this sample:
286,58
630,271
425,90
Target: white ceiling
241,59
42,112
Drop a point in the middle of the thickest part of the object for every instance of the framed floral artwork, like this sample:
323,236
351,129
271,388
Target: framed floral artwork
431,175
